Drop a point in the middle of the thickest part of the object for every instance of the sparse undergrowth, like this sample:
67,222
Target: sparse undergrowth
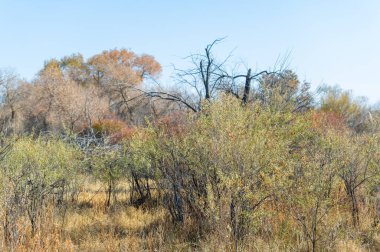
89,226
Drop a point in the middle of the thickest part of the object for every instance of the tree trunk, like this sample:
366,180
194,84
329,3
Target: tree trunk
350,190
354,209
234,224
148,194
142,196
109,193
247,86
177,212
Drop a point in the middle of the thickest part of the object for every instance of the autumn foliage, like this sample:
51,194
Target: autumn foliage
94,160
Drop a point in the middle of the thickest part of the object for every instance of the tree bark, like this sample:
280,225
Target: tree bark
247,86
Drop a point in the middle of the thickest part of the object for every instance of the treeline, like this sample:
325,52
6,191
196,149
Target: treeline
73,93
239,161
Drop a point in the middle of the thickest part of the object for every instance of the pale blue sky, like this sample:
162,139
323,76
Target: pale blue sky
331,41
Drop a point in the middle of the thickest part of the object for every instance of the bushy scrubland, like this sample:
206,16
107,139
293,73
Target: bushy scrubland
231,178
92,161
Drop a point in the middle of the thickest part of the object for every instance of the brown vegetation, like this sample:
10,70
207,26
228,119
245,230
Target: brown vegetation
94,161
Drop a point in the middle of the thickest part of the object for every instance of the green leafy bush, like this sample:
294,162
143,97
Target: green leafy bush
35,172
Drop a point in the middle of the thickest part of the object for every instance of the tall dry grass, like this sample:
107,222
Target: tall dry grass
89,226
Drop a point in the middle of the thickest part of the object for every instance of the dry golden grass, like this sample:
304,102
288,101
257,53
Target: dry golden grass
90,226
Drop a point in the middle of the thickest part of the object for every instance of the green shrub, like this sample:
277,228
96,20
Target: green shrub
34,173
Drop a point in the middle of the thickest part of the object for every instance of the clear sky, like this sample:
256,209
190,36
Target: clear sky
330,41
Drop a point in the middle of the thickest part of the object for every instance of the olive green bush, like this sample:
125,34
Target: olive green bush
234,167
108,167
224,165
34,173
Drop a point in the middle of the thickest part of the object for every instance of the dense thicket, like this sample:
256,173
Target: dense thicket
252,161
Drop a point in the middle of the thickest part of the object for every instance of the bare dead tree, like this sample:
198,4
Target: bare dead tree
206,79
11,95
